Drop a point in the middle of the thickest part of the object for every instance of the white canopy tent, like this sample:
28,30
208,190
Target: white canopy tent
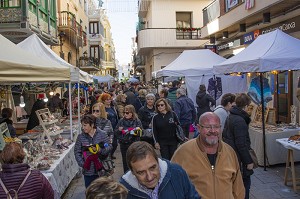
36,46
272,51
18,65
106,79
192,63
197,68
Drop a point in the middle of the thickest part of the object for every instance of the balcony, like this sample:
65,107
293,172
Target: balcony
95,38
211,12
89,64
169,38
73,30
143,6
94,15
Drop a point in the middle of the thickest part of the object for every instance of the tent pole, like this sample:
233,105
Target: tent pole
277,100
78,104
263,117
70,110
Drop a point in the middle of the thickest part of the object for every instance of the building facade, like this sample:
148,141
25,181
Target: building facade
101,46
232,25
164,30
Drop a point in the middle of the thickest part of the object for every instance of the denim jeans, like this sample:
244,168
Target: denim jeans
89,179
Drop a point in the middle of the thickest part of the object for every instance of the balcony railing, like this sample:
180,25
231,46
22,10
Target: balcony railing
211,12
150,38
108,64
10,3
68,20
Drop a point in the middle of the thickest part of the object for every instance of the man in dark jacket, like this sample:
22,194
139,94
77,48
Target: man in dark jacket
131,97
151,177
204,101
55,103
185,110
236,134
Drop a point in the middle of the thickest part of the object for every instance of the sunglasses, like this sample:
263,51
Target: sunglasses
158,105
127,113
97,111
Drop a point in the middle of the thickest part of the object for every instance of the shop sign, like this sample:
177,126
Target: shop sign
211,47
250,37
229,45
288,26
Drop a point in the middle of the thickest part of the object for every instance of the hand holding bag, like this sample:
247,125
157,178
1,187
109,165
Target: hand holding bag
179,132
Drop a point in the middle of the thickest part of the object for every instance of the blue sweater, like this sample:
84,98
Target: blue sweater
175,184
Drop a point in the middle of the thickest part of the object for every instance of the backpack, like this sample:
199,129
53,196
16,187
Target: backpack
13,190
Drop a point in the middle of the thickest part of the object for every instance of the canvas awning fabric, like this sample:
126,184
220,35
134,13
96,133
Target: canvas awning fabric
18,65
36,46
192,63
106,78
272,51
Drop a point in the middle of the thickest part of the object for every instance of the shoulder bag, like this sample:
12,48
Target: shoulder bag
179,131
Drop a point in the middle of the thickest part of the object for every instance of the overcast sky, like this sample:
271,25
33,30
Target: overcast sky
123,17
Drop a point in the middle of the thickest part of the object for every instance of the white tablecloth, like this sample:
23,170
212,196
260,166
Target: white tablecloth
275,153
62,171
289,144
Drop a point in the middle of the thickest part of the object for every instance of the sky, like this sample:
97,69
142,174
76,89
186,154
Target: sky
123,17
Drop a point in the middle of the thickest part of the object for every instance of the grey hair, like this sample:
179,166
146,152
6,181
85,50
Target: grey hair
181,91
150,95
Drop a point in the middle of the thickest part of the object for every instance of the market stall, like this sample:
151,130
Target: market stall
56,160
197,68
272,51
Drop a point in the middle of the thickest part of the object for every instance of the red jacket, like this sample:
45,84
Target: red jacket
35,187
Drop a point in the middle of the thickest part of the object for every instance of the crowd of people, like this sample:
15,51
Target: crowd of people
144,122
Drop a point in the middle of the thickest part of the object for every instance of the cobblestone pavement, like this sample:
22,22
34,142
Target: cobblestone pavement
265,184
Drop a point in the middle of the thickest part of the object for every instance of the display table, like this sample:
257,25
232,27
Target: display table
275,153
290,146
62,171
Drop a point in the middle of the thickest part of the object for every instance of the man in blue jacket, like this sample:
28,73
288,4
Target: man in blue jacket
152,178
185,110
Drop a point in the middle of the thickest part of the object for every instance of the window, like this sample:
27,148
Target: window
94,52
94,29
183,20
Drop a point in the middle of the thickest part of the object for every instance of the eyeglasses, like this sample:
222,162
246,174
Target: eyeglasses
127,113
211,127
97,111
158,105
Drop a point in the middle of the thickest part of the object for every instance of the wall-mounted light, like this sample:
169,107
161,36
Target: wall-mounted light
242,27
266,17
22,103
51,93
225,35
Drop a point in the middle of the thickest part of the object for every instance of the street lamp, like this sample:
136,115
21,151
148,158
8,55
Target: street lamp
61,35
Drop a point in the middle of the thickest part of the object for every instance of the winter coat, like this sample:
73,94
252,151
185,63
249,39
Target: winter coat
175,183
139,102
172,95
127,124
236,134
204,102
131,97
55,103
185,110
84,140
33,120
36,186
9,122
145,115
105,125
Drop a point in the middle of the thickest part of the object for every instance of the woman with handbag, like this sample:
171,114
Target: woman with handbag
164,129
146,114
128,130
91,146
236,134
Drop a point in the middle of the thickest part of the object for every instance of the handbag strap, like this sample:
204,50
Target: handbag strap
16,192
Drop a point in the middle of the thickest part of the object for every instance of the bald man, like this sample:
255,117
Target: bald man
211,164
